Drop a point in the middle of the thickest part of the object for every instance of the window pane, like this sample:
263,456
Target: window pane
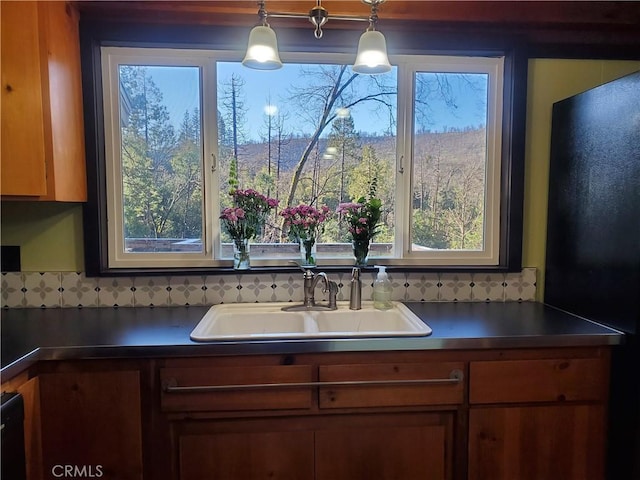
313,134
160,128
449,161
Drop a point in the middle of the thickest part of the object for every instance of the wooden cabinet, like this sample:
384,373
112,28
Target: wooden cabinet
84,416
315,418
29,387
410,446
525,414
535,442
92,419
42,152
235,449
538,418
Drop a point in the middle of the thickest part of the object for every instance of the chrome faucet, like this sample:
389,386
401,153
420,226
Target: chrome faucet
310,283
355,299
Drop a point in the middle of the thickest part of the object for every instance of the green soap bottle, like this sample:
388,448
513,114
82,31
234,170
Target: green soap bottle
382,290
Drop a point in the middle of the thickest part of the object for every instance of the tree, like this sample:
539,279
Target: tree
328,88
161,170
345,141
371,174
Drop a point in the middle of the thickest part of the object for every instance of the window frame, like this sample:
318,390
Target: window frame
112,58
511,165
494,68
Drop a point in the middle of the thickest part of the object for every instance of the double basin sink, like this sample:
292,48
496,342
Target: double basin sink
267,321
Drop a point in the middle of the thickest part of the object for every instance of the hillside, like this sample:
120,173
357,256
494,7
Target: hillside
465,147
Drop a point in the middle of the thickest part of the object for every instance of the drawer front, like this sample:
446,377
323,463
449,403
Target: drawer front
235,388
382,385
575,379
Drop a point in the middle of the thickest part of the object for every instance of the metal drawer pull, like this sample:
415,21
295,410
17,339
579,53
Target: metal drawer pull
171,385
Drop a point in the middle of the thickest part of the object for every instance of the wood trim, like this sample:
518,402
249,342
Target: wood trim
558,13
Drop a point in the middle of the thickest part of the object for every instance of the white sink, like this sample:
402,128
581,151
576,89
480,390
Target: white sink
267,321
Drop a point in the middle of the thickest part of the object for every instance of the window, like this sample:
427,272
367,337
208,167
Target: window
181,125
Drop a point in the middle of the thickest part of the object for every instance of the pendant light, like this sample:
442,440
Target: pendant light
372,48
262,50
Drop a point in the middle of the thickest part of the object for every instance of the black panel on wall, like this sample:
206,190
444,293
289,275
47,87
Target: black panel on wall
593,237
10,256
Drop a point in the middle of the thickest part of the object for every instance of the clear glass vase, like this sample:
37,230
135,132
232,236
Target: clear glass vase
241,257
308,252
361,251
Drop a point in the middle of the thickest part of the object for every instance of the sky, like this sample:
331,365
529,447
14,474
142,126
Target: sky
267,91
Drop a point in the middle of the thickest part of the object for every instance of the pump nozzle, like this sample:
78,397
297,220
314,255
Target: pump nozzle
382,271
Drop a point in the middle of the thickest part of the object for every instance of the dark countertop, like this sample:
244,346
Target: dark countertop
29,335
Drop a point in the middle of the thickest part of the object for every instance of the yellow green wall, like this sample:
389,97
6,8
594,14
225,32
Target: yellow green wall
51,234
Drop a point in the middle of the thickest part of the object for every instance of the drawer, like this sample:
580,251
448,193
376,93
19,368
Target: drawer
553,380
388,385
236,388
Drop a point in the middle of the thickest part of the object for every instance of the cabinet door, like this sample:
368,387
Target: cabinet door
92,421
23,141
42,119
542,442
245,450
385,447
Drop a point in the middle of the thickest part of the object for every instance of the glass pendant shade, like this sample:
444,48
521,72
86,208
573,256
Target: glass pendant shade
262,51
372,54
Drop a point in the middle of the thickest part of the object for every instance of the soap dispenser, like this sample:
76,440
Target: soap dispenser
382,289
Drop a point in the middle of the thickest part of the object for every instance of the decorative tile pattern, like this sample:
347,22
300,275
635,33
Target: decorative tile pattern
115,292
220,289
520,286
367,285
13,290
151,292
71,289
422,287
78,290
257,288
42,290
455,287
289,287
488,287
187,290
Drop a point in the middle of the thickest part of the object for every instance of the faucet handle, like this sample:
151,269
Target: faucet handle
306,270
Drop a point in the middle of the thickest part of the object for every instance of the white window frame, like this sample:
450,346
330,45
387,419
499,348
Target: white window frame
112,58
408,66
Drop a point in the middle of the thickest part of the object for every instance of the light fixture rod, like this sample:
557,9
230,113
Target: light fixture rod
306,17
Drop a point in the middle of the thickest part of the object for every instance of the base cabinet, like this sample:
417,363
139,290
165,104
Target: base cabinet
525,414
250,454
411,446
531,443
91,424
313,417
381,447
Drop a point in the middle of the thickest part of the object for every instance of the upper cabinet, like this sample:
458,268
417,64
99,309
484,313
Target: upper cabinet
43,156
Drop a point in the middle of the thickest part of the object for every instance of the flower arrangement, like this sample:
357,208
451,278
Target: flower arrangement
305,221
248,215
305,224
363,218
244,220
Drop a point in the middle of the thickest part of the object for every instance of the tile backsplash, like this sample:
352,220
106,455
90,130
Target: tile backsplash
72,289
